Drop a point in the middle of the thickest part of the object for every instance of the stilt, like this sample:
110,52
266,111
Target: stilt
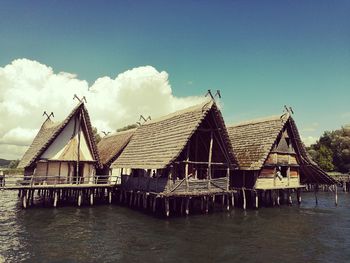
227,203
336,195
233,199
55,199
299,196
223,201
278,198
187,205
131,196
202,203
290,201
244,199
316,196
92,198
256,200
182,205
79,198
24,200
167,212
110,196
206,204
154,204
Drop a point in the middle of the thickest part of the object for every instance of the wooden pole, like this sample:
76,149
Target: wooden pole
290,201
186,166
110,196
299,196
336,195
55,199
227,203
167,210
209,158
233,199
92,197
207,204
79,199
316,196
187,205
256,200
24,200
244,199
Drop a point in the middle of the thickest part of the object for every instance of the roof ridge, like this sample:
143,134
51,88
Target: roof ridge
206,103
283,117
119,133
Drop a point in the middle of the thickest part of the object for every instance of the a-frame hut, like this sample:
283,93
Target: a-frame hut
109,149
63,152
185,154
271,156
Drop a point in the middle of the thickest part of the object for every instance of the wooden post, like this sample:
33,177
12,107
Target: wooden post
316,196
336,195
186,165
187,205
290,202
55,199
154,204
167,210
110,196
92,197
202,203
227,202
209,158
207,204
256,200
182,205
223,201
24,200
278,198
233,199
79,199
244,199
228,178
299,196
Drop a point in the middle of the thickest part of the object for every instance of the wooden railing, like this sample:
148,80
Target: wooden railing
17,181
159,185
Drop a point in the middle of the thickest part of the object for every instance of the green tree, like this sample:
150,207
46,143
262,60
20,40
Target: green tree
97,136
13,164
128,127
324,158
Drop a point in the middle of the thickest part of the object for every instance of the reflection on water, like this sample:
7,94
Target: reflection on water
112,233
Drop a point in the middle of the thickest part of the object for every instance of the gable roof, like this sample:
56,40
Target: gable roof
157,143
111,146
48,133
252,141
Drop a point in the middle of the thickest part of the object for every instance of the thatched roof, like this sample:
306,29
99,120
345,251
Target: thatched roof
158,143
252,141
111,146
48,133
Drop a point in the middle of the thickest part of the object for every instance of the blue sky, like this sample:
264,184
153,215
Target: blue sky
260,54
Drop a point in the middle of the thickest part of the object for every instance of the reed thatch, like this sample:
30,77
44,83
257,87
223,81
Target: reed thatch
252,141
111,146
49,132
157,143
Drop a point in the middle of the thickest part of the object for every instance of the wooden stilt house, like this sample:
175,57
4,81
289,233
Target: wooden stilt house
109,149
185,154
63,152
271,156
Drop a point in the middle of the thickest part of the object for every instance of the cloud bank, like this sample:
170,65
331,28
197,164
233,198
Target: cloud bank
28,88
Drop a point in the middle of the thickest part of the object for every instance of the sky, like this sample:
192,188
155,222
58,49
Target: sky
153,57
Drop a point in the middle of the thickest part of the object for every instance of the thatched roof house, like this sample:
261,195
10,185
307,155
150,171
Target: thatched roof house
66,149
264,145
111,146
180,145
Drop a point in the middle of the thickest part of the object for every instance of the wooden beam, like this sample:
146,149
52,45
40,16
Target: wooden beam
209,158
186,165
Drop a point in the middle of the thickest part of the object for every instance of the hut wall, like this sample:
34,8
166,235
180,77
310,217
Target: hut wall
65,145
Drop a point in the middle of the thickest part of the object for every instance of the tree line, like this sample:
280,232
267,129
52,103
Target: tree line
332,151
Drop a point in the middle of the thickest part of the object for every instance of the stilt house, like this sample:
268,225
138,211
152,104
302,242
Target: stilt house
63,152
109,149
186,153
271,155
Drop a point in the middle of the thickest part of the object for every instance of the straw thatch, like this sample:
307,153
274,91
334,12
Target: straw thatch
49,132
111,146
252,141
158,143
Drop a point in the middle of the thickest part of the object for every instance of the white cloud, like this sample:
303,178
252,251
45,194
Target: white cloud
308,140
311,128
27,88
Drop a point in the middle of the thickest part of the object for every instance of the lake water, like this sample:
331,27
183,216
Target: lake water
110,233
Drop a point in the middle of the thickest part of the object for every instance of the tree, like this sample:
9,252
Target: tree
97,136
13,164
128,127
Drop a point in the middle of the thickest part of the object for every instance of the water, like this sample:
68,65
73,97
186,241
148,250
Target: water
110,233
